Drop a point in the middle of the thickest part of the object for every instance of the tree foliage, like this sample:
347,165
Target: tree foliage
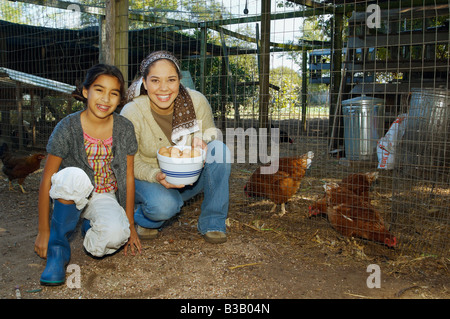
289,83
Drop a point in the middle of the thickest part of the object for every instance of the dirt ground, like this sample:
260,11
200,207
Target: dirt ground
265,257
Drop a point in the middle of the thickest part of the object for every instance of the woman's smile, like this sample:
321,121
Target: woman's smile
162,85
163,98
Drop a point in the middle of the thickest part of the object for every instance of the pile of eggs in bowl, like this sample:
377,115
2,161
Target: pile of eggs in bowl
175,152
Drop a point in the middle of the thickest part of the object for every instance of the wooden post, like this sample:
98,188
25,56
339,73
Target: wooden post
33,119
264,96
258,53
19,103
223,95
121,43
202,58
304,86
107,39
336,65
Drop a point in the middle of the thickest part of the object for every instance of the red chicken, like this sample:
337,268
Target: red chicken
19,167
281,185
357,183
352,216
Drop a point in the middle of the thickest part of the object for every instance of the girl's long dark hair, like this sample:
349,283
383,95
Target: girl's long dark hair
93,73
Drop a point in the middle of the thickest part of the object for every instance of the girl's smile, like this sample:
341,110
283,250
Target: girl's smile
103,96
103,108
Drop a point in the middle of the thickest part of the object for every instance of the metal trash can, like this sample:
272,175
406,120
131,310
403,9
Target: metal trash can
425,147
363,127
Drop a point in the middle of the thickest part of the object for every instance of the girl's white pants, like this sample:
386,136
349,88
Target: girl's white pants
110,228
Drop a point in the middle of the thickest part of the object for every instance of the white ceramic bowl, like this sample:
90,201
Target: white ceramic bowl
181,171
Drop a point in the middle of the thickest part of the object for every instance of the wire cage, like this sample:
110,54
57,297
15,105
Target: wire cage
278,85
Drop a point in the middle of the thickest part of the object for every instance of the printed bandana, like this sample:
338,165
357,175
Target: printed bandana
184,121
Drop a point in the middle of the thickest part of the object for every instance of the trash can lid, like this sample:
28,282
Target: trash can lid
363,100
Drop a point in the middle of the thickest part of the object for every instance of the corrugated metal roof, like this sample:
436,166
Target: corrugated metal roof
10,77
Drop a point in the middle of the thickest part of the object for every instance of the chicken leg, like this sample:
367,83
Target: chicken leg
283,210
21,187
11,188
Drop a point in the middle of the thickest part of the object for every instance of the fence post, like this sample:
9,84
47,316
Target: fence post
265,65
107,33
121,43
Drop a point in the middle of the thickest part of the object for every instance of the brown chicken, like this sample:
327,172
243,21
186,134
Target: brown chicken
357,183
353,216
281,185
19,167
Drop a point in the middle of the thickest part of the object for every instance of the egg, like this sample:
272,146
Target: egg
175,152
186,153
195,153
164,151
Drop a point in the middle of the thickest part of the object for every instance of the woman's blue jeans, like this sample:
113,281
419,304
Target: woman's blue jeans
156,204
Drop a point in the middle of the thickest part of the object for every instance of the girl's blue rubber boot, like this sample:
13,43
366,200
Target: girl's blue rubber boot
64,220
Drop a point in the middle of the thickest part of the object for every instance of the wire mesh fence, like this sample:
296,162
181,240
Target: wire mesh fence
364,88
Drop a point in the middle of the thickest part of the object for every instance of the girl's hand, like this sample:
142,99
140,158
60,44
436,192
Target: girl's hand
161,178
133,242
41,244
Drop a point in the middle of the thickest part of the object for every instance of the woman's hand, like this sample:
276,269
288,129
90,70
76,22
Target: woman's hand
133,242
161,178
198,142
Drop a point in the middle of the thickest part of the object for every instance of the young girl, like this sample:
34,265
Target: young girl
90,165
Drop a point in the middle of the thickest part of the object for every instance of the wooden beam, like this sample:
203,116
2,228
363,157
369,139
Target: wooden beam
335,84
306,44
310,3
107,37
404,38
67,5
348,7
253,83
276,16
19,104
121,42
264,94
203,41
304,86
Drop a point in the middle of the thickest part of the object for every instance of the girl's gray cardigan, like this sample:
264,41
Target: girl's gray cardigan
67,142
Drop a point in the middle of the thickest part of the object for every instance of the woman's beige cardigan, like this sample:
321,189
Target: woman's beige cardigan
151,138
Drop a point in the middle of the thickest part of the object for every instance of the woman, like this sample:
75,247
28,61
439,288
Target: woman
164,113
